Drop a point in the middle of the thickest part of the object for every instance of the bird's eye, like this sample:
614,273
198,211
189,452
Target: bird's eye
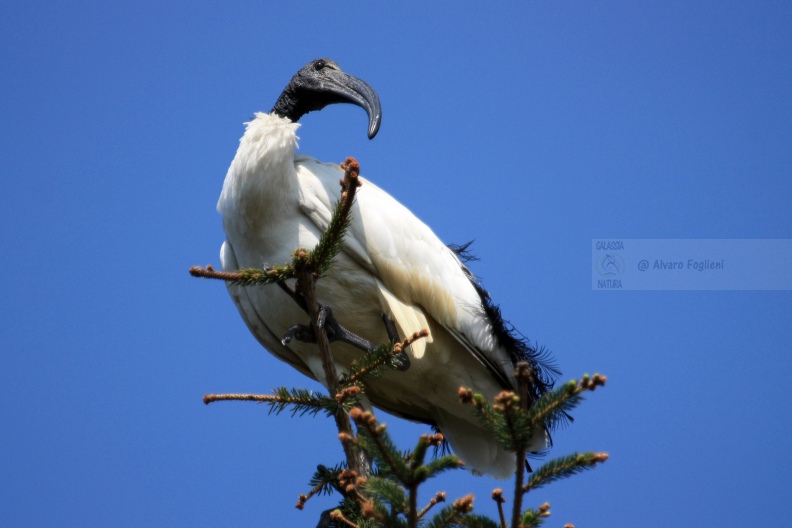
318,65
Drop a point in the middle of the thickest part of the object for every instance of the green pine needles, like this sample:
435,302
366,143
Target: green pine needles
378,484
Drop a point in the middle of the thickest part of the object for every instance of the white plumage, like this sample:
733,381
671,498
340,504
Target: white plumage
275,201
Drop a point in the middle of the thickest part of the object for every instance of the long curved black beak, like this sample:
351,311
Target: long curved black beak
320,83
356,91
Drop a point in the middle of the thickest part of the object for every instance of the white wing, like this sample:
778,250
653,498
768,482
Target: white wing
421,277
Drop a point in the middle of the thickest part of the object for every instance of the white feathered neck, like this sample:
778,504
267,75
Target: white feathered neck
262,172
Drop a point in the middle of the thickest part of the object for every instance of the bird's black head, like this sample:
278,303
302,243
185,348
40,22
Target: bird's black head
320,83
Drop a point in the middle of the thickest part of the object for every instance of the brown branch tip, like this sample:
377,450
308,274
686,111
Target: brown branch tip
349,480
260,398
351,172
440,497
302,499
345,394
364,418
432,440
465,504
409,340
209,273
336,515
497,495
592,382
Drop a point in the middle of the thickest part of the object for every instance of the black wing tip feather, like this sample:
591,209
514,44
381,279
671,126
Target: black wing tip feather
519,347
462,253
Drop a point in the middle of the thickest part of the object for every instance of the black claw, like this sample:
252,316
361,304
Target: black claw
289,335
401,361
301,333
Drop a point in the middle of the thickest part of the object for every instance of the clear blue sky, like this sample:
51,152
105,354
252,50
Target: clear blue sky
531,128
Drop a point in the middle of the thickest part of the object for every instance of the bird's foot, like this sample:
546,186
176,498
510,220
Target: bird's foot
302,333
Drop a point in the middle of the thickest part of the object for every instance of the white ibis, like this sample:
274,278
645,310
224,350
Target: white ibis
275,201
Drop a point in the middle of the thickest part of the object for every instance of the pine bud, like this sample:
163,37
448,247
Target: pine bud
497,495
346,438
465,504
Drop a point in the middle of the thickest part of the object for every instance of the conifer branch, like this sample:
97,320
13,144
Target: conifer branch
378,444
458,514
259,398
443,463
300,400
563,467
336,515
302,499
347,393
424,443
326,478
308,267
350,483
329,244
307,287
444,518
491,421
246,276
524,377
412,509
419,453
439,497
563,399
387,491
534,518
369,364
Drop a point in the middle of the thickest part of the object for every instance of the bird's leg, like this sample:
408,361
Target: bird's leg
335,332
390,327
